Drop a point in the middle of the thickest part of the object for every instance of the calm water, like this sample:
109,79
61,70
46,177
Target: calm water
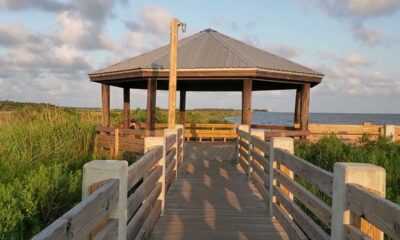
333,118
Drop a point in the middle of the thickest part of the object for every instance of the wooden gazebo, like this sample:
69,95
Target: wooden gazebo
208,61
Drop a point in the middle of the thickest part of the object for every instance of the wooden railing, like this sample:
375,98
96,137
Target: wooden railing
116,140
204,131
299,193
121,201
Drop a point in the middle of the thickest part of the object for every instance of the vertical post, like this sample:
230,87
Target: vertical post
297,109
390,132
287,144
151,103
126,108
172,72
364,174
259,133
116,142
100,170
180,127
246,101
245,128
305,106
182,107
105,104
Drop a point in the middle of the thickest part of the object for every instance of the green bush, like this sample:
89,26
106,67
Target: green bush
383,152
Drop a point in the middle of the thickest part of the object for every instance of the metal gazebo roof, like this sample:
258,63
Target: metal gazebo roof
209,61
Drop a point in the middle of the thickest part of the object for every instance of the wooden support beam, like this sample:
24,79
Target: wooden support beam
297,108
173,72
126,108
105,104
246,101
151,104
305,106
182,107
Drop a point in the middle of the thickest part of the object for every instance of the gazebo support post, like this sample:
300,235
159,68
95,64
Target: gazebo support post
172,72
182,107
105,104
246,101
305,106
151,104
297,109
126,107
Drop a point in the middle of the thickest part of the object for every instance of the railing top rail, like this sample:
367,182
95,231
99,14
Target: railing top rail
308,171
377,210
84,217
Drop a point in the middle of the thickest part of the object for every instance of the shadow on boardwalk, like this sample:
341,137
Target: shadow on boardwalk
212,199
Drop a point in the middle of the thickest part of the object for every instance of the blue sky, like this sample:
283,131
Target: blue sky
48,47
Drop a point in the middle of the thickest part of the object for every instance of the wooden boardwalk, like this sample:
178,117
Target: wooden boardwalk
212,199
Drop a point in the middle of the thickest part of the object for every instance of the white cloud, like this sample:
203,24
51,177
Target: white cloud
283,50
155,19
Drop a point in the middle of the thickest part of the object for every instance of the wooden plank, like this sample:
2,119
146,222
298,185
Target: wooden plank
244,164
244,153
261,160
354,233
170,156
170,141
109,130
133,132
261,174
140,216
84,217
169,174
143,191
260,185
293,133
271,127
260,144
314,204
307,171
243,134
377,210
109,231
244,143
312,229
297,108
150,221
292,230
137,170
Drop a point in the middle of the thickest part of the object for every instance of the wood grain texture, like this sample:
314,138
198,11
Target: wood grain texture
137,170
307,171
84,217
109,231
305,106
297,107
143,191
151,103
212,199
105,104
292,230
354,233
314,204
173,62
312,229
261,160
377,210
246,101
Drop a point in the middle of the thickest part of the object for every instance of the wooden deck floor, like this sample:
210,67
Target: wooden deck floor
213,200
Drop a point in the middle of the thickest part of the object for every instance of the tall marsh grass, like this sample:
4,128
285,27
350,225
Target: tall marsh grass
41,157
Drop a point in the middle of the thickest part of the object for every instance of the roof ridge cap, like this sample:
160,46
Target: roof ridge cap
242,58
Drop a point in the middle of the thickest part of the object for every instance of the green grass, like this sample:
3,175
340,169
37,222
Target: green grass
382,152
41,157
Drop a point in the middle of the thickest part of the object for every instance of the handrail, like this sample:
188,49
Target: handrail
109,212
298,192
82,219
